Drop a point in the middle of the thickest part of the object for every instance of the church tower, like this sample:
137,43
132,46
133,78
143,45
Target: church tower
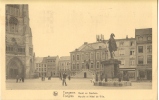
19,47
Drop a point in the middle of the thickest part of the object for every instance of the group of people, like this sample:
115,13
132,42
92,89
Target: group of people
19,79
103,77
63,78
99,77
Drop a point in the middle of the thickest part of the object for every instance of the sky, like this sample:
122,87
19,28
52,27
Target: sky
60,27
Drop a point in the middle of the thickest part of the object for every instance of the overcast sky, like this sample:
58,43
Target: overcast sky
59,28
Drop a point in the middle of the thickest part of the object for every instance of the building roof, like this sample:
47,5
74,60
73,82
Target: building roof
38,59
96,45
143,31
49,57
91,46
65,58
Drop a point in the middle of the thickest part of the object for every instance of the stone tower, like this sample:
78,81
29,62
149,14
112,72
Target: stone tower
19,47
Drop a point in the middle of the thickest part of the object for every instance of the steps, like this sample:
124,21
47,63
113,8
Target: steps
84,73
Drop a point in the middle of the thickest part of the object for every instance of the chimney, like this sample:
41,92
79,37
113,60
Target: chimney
76,49
48,56
85,43
126,36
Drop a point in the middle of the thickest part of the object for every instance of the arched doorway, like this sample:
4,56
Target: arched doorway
14,68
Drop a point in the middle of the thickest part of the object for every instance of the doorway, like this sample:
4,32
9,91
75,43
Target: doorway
85,75
149,74
13,73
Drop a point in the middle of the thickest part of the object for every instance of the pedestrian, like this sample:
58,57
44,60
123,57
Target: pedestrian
17,77
93,78
64,79
96,77
101,77
69,77
22,78
105,77
119,77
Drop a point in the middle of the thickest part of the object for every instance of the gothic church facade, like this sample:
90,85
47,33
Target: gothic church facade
19,47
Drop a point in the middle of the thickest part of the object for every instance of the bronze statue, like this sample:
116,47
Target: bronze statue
112,45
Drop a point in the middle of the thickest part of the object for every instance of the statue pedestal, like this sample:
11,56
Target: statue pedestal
111,67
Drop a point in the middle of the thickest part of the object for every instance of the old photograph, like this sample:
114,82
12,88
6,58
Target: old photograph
82,46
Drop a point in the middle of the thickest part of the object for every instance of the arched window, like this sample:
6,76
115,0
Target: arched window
13,23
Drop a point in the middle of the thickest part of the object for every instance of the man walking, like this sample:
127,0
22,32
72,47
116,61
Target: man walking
17,77
64,79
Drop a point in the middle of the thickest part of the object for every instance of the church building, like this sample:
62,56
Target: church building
18,41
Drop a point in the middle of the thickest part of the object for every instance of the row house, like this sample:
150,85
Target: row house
64,65
144,53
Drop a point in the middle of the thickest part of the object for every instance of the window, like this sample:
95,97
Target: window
149,59
98,56
91,65
131,43
122,62
149,49
132,52
78,57
77,66
140,60
82,65
91,56
121,43
83,57
103,55
132,62
87,56
140,49
121,52
74,67
140,38
149,38
13,23
73,57
98,65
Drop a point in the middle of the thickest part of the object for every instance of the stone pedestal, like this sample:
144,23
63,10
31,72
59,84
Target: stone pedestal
111,67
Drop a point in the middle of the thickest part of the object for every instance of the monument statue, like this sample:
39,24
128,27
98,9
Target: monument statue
112,45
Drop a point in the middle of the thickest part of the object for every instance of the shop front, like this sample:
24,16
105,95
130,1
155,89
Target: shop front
145,74
129,73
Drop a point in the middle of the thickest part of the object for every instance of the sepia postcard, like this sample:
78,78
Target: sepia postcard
57,50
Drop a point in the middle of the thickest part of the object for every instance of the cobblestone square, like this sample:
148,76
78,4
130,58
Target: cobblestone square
56,84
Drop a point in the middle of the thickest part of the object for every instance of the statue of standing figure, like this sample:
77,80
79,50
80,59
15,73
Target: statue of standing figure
112,45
